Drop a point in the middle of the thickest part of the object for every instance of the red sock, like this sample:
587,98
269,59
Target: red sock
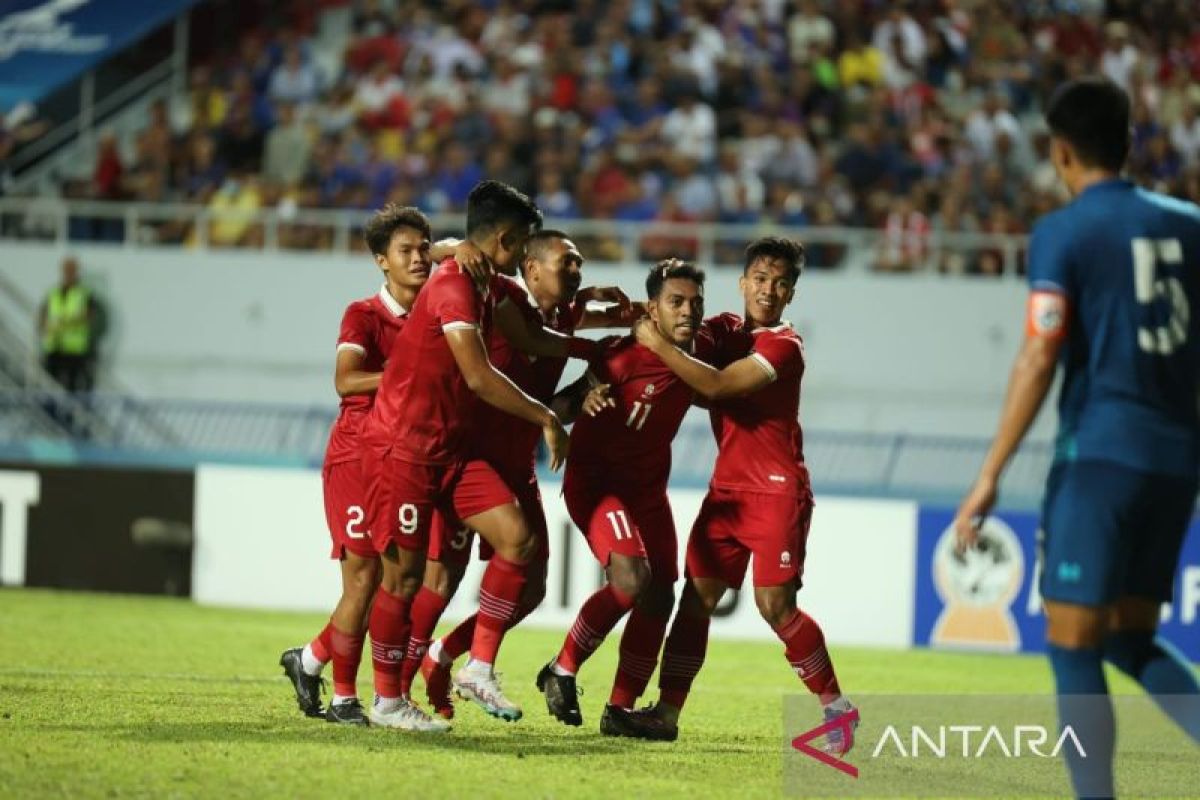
640,643
389,627
322,646
599,614
427,608
804,646
499,592
458,641
683,656
347,653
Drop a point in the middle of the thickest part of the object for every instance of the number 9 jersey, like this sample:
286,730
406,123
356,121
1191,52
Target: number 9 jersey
1116,275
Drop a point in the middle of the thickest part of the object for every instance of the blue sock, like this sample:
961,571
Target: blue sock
1162,671
1083,703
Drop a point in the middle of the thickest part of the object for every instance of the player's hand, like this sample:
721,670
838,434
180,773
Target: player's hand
597,399
606,294
974,508
472,259
557,441
627,316
648,334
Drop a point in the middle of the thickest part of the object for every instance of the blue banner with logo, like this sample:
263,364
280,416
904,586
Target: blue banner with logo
988,599
47,43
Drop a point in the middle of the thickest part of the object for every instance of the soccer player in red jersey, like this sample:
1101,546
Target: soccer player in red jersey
417,457
398,238
550,299
616,492
759,501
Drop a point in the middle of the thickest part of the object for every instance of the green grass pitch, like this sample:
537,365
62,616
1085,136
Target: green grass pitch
113,696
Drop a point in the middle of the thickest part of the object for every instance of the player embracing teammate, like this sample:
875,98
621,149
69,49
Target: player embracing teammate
759,501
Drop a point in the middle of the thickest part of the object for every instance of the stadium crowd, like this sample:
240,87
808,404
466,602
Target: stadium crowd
908,117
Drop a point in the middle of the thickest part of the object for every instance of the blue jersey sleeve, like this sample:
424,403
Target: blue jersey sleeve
1049,257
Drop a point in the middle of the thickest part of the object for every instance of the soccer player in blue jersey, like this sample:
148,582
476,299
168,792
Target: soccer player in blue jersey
1115,298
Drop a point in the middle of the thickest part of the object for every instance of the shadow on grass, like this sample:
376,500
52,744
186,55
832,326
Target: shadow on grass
515,740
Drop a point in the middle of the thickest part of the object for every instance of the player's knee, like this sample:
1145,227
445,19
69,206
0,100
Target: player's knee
1129,651
629,576
658,599
697,603
775,604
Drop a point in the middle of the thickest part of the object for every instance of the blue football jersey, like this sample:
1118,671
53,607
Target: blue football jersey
1128,262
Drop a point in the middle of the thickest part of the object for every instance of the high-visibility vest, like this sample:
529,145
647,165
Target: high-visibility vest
68,330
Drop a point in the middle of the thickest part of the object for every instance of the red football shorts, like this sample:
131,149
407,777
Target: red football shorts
628,520
345,509
732,525
402,496
450,540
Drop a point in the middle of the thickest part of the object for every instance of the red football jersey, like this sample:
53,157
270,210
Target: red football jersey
631,442
424,407
368,326
760,444
507,442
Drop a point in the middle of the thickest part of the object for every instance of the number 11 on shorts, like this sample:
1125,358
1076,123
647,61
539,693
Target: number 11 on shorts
620,524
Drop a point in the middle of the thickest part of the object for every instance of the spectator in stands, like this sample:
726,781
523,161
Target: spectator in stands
65,327
1120,57
232,211
690,129
807,29
741,192
294,81
205,105
380,99
106,179
287,150
1185,135
905,244
241,141
860,64
204,171
553,198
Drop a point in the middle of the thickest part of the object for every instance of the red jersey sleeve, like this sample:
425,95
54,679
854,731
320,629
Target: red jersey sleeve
780,356
508,289
454,300
357,331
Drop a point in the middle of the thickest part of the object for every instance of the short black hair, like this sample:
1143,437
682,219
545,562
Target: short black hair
670,268
789,251
493,205
386,221
542,239
1092,115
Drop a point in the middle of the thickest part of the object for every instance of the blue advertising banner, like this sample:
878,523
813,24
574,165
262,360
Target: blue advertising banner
46,43
989,600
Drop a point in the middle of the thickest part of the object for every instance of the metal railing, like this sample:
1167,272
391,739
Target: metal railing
889,465
339,231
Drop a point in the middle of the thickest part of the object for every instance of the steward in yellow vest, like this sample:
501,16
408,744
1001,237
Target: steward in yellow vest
65,325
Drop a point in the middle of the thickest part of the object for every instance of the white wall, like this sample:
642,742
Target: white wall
261,542
886,353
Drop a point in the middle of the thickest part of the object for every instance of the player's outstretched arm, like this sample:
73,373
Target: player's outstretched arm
538,340
494,388
1030,381
744,376
621,311
349,378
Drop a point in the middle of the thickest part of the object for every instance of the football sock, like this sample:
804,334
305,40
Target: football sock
1084,705
804,646
427,608
683,656
315,654
499,592
599,614
389,627
640,643
1162,671
339,699
347,653
458,641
